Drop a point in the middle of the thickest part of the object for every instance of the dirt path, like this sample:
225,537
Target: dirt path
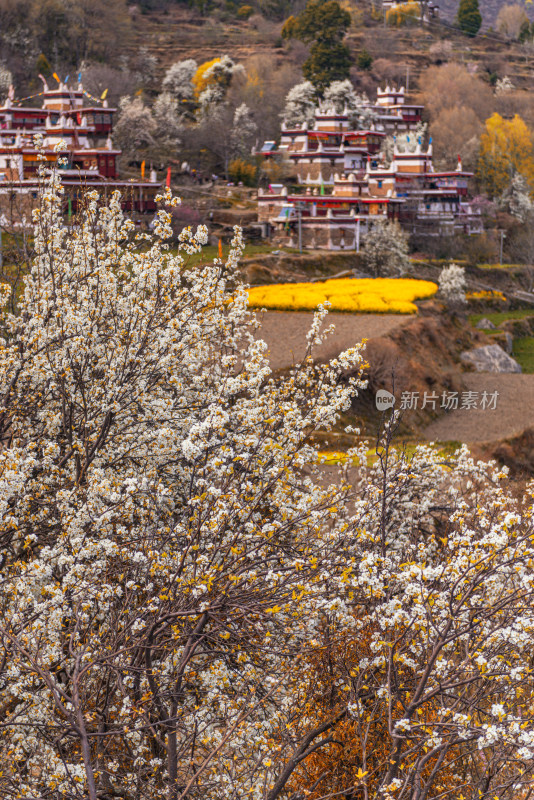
285,333
514,411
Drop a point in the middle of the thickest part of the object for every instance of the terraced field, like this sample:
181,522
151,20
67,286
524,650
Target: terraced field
182,33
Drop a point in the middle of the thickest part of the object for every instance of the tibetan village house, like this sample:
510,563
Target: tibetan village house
331,146
345,184
90,158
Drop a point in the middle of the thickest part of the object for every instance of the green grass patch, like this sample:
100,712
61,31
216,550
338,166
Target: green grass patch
523,353
498,317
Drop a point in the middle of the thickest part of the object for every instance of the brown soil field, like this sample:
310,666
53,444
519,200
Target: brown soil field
285,333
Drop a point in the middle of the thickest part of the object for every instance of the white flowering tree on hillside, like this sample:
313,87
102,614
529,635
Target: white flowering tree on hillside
343,98
136,128
169,123
244,130
158,514
516,198
452,285
188,610
178,79
385,249
504,85
6,80
216,81
300,105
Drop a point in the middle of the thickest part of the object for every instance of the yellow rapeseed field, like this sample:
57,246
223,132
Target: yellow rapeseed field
491,294
361,295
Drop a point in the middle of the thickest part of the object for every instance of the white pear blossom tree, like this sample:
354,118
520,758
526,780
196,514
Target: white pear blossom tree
135,129
244,130
178,79
175,570
516,199
169,123
432,681
504,85
452,285
6,80
300,105
163,533
343,98
218,78
385,249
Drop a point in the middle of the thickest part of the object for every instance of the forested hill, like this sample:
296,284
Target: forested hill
126,48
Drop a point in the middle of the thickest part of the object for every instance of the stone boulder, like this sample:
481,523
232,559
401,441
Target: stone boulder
490,358
485,325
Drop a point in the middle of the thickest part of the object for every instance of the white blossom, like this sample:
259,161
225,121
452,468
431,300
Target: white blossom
178,79
244,130
385,249
300,105
452,284
516,198
342,97
6,80
504,85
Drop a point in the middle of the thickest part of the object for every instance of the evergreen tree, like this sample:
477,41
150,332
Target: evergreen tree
469,17
323,23
327,62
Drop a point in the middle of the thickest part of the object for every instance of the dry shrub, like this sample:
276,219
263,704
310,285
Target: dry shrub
516,102
389,71
388,368
456,131
511,20
481,249
441,51
517,454
451,85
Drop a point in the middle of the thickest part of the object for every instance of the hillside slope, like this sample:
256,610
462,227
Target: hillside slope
488,8
182,33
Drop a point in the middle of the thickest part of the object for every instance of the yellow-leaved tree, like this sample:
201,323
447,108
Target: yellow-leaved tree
506,149
404,14
215,75
201,80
